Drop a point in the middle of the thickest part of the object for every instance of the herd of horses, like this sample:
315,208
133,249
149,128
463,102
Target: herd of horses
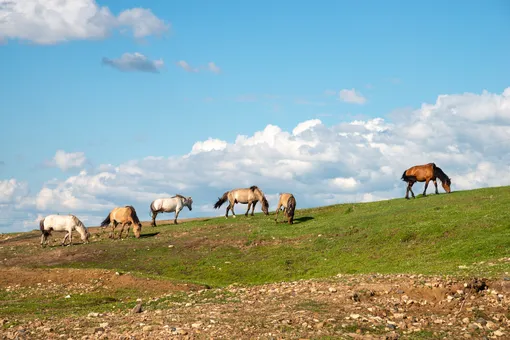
126,216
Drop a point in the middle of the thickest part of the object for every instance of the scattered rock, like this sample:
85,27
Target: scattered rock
137,308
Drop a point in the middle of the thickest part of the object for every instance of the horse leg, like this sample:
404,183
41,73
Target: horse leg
43,239
253,207
122,225
112,233
128,227
154,215
232,208
176,215
71,238
64,239
435,184
277,211
226,212
425,189
410,188
248,210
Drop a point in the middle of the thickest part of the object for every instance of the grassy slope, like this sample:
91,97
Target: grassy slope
428,235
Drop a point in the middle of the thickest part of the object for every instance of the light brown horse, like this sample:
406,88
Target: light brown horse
249,195
425,173
288,202
125,216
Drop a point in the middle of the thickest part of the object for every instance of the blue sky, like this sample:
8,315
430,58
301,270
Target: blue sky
278,61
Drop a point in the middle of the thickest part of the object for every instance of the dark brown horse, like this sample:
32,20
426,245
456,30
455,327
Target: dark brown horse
425,173
288,202
249,195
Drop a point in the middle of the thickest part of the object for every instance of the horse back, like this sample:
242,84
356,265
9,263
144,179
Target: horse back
284,198
242,195
168,204
421,172
56,222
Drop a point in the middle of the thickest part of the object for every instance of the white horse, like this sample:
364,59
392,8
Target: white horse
166,205
63,223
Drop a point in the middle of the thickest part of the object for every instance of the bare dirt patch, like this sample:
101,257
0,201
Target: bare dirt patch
345,307
23,277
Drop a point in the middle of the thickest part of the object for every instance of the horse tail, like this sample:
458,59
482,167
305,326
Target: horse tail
406,178
41,226
106,221
221,200
291,207
152,208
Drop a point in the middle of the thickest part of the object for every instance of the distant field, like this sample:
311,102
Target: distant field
436,234
384,252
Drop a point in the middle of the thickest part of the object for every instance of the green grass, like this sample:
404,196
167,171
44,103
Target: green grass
428,235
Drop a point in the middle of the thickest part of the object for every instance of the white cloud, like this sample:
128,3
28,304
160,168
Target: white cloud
306,125
208,145
12,191
358,161
67,160
135,62
352,96
211,66
51,22
185,66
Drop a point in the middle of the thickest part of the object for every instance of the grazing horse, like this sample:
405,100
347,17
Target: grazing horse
62,223
288,202
167,205
249,195
125,216
425,173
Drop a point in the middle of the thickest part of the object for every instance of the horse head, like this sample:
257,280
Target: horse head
265,205
447,184
137,229
86,237
189,202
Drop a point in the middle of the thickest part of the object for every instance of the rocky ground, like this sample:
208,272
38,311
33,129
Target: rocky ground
345,307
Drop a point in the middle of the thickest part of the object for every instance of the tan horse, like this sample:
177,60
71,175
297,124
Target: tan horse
249,195
425,173
125,216
288,202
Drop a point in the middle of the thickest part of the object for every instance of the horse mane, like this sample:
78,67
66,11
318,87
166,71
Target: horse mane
133,214
265,202
254,187
179,196
438,172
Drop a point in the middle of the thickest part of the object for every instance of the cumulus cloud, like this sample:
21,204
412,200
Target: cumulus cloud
51,22
357,161
211,66
185,66
12,191
129,62
351,96
67,160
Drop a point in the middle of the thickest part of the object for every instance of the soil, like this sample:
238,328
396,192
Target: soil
344,307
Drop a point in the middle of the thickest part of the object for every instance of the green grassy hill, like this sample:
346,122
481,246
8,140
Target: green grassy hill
436,234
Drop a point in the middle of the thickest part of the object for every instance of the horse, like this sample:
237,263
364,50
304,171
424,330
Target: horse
125,216
425,173
62,223
167,205
249,195
288,202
